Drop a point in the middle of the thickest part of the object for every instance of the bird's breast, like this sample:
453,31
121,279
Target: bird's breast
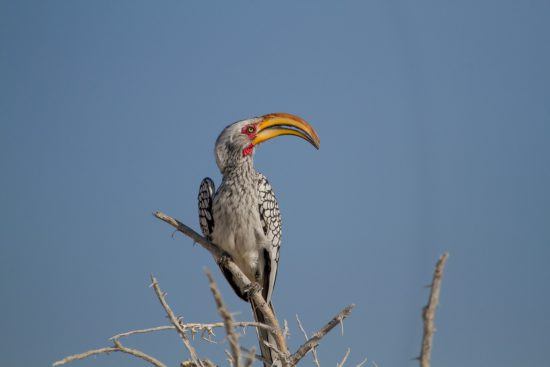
238,230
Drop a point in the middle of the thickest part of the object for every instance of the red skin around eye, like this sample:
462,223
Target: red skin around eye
251,135
245,131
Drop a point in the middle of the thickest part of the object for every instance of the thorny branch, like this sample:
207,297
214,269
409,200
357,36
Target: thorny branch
177,325
344,359
314,350
428,313
194,328
271,322
176,322
316,338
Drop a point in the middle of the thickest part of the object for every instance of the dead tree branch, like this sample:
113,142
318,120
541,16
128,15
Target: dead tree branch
250,357
344,359
205,362
314,349
227,320
316,338
116,348
142,331
194,328
241,280
271,322
428,314
175,321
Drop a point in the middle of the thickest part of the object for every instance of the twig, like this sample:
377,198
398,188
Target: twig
286,330
213,249
194,328
428,313
142,331
176,322
362,362
227,320
259,357
314,350
116,348
316,338
251,355
239,277
205,362
341,364
229,358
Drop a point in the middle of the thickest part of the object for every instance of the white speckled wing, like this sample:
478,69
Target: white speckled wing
270,217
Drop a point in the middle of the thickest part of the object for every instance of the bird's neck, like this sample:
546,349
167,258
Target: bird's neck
243,169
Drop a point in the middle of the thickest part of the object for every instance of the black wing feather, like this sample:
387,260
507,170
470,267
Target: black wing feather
206,198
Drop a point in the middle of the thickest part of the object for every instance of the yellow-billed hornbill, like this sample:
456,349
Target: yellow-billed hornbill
242,217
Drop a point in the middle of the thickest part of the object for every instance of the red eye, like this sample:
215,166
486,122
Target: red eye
251,129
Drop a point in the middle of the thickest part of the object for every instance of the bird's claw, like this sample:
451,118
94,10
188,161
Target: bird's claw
251,289
224,259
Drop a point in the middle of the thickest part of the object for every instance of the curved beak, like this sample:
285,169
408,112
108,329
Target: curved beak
276,124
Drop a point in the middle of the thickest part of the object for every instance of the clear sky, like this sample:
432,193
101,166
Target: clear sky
434,119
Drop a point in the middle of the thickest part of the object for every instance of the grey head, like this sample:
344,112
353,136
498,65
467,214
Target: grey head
236,144
233,146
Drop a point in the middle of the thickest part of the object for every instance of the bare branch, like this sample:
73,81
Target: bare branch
116,348
244,284
175,321
362,362
259,357
316,338
428,314
87,354
195,328
286,330
239,277
314,349
250,358
341,364
210,247
205,362
142,331
227,320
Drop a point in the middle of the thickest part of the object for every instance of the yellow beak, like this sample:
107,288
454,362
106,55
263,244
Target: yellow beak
276,124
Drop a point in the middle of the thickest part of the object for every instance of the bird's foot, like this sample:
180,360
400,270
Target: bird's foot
224,259
251,289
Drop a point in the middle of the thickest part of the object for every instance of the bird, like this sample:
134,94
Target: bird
242,216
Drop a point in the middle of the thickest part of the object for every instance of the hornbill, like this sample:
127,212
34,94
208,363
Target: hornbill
242,217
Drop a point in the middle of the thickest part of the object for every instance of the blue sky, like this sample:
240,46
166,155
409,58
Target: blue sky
434,121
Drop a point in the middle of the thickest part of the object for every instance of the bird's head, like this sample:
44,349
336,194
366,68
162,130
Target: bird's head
237,142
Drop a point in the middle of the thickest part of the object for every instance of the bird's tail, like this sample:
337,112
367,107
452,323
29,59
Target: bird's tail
264,335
